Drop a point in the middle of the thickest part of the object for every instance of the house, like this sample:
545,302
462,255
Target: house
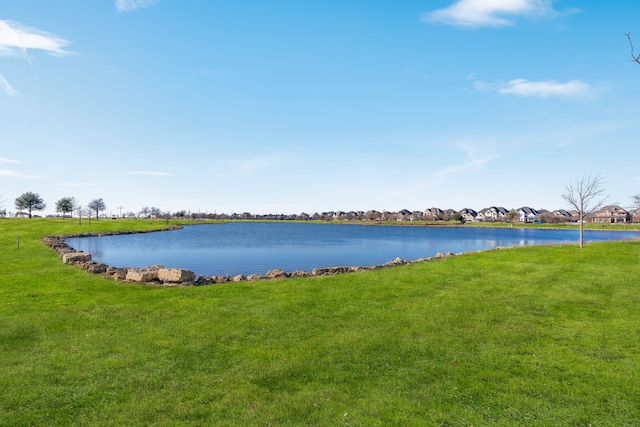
404,215
611,215
561,215
448,214
492,213
528,215
468,214
433,214
635,215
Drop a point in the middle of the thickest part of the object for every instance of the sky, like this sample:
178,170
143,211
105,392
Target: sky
310,106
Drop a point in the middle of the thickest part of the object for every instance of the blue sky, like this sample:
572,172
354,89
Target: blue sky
317,105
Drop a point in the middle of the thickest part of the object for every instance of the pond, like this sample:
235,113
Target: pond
254,248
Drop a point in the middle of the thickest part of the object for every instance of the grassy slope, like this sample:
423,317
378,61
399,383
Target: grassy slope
535,336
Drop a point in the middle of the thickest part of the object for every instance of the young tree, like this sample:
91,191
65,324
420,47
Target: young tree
145,211
512,215
97,206
30,201
66,205
585,195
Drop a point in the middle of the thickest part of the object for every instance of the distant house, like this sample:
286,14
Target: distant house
611,215
561,215
404,215
528,215
492,214
635,215
468,214
433,214
448,213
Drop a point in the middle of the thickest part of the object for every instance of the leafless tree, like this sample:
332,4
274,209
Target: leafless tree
585,195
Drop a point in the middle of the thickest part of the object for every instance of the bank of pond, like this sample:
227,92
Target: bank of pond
245,249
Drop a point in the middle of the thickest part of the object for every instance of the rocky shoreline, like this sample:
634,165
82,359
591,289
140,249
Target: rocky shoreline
159,275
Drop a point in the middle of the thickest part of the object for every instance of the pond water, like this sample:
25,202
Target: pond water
255,248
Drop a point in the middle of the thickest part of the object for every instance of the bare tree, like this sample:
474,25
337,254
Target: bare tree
585,195
144,212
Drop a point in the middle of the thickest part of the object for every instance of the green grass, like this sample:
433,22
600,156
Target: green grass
538,336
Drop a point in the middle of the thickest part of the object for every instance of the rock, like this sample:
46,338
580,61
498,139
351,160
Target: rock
329,270
95,267
74,257
204,280
254,277
117,273
239,278
276,274
300,273
144,274
176,275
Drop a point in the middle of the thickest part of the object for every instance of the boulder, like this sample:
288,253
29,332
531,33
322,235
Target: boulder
299,273
117,273
239,278
94,267
276,274
176,275
144,274
74,257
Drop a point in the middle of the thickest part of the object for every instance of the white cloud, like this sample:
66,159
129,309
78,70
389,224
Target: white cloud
150,173
5,160
15,174
540,89
488,13
77,184
16,39
545,89
256,164
4,84
472,162
131,5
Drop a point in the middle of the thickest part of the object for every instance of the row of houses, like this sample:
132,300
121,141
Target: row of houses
612,214
608,214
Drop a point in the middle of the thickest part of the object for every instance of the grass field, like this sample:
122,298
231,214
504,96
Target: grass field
538,336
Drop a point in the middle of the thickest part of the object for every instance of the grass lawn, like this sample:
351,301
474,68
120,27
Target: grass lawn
538,336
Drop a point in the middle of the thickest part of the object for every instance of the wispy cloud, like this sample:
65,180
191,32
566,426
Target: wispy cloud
488,13
15,174
17,39
544,89
77,184
149,173
473,161
6,87
131,5
5,160
256,164
540,89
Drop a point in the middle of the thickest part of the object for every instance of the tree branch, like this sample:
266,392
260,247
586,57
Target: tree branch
635,58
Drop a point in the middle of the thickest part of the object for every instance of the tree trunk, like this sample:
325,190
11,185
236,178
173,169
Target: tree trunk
581,231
